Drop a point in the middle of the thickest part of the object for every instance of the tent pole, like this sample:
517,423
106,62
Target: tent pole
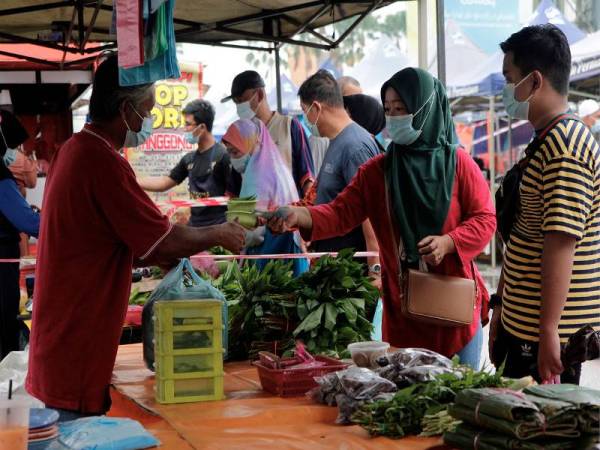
422,34
278,78
492,164
441,41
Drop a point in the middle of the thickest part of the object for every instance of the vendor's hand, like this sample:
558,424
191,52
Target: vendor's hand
285,219
494,326
255,237
549,363
232,237
433,249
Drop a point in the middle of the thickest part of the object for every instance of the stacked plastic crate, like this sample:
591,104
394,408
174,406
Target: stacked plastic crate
188,351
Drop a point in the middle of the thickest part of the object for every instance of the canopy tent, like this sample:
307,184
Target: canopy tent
486,79
461,52
52,23
382,60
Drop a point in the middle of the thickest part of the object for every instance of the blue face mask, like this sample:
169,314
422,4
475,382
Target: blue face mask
240,164
400,128
137,138
190,138
314,130
596,127
10,157
514,108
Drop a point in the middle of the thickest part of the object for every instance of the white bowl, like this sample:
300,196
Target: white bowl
366,354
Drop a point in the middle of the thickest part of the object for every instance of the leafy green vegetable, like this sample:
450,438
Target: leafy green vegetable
403,414
138,298
262,308
336,304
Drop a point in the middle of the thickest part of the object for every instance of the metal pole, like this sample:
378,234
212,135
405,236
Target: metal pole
278,78
422,34
492,164
441,41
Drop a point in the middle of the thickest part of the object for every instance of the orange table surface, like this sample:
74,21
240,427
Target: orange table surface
248,418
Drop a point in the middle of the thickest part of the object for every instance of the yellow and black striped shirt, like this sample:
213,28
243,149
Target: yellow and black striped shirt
560,192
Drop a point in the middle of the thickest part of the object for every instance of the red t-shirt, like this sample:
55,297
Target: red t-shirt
471,222
96,219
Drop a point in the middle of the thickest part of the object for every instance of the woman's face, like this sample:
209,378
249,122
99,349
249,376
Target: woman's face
393,104
233,151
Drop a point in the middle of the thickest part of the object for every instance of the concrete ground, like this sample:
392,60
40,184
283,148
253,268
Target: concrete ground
590,373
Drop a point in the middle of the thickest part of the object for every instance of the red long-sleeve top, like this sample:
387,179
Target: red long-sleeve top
471,222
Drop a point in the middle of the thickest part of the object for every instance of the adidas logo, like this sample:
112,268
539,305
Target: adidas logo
526,349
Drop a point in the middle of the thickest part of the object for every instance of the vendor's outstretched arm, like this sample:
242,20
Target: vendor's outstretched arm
185,241
157,184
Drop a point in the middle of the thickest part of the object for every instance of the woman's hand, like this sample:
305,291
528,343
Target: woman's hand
433,249
290,218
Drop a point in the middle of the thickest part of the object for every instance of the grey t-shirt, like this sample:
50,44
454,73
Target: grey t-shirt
346,153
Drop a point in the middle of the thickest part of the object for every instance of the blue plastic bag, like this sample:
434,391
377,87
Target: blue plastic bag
376,334
181,283
105,433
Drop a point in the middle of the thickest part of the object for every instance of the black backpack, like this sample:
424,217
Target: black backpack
508,194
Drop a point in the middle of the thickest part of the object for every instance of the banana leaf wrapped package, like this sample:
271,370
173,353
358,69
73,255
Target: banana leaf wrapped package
586,400
515,414
467,437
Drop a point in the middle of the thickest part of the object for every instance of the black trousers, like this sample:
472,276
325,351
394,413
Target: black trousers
521,358
9,299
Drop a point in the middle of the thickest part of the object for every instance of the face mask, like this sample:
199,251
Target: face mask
400,128
314,130
10,157
244,110
190,138
137,138
596,127
514,108
240,164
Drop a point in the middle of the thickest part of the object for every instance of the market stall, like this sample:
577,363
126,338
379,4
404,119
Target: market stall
248,418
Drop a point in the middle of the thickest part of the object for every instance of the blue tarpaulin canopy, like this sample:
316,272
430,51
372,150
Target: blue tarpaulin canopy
487,79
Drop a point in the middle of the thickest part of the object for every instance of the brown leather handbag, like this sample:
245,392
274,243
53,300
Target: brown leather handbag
432,298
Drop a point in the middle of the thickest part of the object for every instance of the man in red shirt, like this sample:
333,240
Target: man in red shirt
97,224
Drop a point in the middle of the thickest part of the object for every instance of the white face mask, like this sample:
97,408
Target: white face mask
240,164
244,109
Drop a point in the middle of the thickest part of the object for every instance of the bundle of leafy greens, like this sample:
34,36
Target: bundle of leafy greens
336,303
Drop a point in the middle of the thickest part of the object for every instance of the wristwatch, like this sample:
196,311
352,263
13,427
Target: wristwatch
495,300
375,269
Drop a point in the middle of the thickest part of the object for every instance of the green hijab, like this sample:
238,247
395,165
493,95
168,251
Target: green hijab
420,176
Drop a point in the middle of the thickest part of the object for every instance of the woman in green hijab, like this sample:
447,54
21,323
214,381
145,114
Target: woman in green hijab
425,192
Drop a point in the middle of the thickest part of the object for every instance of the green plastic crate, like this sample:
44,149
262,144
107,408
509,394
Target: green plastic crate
188,342
188,366
185,315
189,390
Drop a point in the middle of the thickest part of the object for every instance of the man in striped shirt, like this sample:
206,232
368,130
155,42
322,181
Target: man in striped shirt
550,284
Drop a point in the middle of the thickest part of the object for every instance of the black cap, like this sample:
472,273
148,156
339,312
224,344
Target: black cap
242,81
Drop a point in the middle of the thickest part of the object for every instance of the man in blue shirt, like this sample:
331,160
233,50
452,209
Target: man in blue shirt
15,216
350,146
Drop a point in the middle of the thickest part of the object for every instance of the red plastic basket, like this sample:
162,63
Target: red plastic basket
292,382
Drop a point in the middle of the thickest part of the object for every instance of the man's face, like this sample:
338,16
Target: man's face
192,127
249,95
135,115
513,74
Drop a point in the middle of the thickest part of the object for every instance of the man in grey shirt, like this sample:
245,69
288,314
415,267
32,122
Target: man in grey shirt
350,146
